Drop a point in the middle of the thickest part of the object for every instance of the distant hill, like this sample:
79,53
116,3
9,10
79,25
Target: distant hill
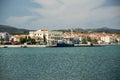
12,30
104,29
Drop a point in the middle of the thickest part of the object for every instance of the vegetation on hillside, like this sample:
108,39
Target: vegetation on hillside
13,30
104,29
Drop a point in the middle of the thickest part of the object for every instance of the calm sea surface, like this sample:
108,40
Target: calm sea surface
75,63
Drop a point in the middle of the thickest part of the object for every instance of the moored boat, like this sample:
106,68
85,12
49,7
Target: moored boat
62,43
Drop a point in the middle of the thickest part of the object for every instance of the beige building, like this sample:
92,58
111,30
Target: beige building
110,38
106,39
55,35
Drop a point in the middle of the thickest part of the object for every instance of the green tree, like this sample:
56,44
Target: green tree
23,40
44,39
29,40
89,39
95,41
33,41
2,41
115,41
84,41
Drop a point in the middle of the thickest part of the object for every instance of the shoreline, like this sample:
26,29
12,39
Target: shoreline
20,46
75,45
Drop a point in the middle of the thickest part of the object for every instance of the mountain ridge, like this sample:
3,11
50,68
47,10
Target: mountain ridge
102,29
14,30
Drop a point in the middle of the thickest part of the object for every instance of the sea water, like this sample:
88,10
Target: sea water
68,63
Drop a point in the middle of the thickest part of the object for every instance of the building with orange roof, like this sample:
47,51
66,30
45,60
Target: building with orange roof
104,37
16,38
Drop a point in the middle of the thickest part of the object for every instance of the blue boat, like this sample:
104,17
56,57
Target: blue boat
64,45
61,43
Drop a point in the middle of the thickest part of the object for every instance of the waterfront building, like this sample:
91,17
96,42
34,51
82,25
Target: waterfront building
46,34
109,38
95,35
89,37
105,39
118,38
55,35
5,36
15,38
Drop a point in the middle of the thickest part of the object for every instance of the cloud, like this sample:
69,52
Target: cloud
48,3
56,14
19,20
73,12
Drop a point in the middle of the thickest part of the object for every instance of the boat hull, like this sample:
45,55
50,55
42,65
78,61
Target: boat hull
64,45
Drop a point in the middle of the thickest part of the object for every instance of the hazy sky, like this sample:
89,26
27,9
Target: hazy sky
60,14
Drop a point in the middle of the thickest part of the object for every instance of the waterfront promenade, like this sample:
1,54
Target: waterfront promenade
75,45
17,46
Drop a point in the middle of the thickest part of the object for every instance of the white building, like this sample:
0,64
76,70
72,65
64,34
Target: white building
106,39
109,38
5,36
49,35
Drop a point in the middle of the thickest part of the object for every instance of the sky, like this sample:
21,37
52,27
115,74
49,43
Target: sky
60,14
